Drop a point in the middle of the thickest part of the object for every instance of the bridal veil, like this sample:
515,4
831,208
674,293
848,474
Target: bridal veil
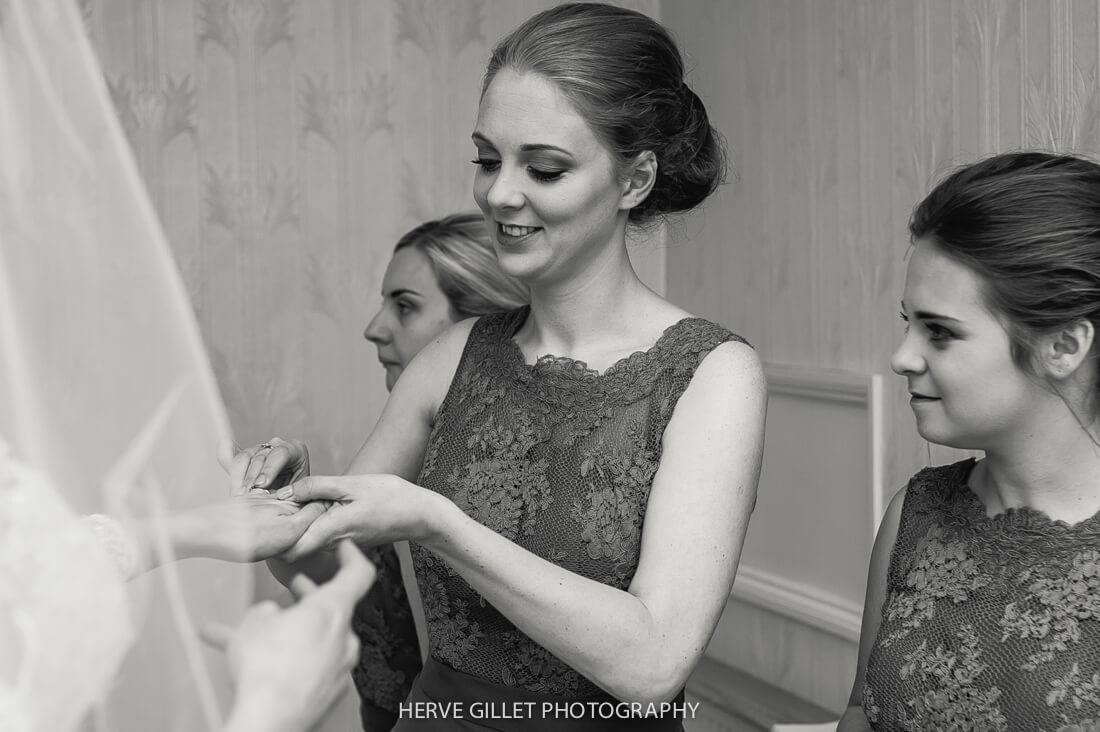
107,406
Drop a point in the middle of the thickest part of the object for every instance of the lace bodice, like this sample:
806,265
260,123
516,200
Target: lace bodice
990,623
557,458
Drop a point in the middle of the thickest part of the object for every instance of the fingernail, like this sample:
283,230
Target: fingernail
285,493
262,480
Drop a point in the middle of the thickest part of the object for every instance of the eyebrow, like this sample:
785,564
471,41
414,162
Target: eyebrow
929,315
402,291
530,147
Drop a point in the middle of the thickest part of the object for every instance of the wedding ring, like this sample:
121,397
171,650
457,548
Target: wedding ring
266,446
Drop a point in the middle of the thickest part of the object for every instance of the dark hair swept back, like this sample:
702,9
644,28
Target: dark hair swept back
624,74
1028,223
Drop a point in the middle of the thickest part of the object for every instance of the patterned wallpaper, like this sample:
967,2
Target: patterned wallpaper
287,144
840,115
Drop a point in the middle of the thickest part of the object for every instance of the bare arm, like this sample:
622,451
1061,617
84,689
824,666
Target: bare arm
395,446
640,644
854,719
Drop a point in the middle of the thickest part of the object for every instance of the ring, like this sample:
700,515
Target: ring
266,446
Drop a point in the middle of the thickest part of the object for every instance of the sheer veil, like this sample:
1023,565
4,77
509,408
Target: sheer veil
107,406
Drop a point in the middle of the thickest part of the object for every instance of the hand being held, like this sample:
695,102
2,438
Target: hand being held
290,664
368,509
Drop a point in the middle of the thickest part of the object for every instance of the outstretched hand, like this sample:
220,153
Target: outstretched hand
242,528
290,664
368,509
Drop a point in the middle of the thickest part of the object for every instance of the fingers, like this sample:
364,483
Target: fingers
301,585
305,514
314,538
316,487
217,635
279,454
354,578
259,457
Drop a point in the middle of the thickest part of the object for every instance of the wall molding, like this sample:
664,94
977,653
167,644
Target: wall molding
798,601
849,388
793,599
823,384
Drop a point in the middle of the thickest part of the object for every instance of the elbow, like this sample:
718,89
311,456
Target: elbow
650,681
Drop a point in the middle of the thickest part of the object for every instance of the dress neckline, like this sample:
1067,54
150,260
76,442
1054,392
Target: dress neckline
1022,517
578,367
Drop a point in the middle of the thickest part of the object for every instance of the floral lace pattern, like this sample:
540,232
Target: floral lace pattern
990,623
1055,608
389,656
954,700
557,458
940,570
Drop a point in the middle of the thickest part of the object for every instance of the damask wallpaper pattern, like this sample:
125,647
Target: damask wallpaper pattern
286,145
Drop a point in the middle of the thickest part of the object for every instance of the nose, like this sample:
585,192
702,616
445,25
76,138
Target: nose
907,358
505,189
377,331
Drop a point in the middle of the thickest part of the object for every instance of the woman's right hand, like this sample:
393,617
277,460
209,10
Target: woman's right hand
268,466
290,664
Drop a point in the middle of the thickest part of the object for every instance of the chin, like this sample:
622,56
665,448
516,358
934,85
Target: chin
947,437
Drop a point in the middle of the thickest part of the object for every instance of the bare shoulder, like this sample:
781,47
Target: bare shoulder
888,527
428,376
443,353
732,368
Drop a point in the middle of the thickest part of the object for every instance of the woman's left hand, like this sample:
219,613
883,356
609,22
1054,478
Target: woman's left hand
368,509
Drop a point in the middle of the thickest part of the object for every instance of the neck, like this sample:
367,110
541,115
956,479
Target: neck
586,308
1054,467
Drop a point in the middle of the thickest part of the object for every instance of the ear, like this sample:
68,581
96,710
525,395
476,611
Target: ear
638,181
1064,351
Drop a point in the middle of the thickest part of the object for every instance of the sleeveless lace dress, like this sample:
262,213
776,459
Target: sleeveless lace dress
990,623
559,459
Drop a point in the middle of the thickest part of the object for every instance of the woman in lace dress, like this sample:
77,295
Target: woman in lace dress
576,476
983,599
442,271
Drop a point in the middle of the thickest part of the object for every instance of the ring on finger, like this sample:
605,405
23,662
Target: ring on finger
266,446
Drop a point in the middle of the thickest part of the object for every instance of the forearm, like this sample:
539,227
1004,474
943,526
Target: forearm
854,720
609,635
169,537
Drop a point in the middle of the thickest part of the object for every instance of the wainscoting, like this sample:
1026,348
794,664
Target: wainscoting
790,631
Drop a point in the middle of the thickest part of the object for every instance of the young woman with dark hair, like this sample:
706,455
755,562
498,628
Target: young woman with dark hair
983,598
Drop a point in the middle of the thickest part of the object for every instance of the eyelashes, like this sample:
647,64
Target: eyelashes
540,175
487,166
936,333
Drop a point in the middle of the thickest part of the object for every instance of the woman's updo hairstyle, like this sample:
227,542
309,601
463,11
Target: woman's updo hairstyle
623,73
1029,224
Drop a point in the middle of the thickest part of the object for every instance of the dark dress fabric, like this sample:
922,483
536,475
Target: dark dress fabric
990,623
389,655
560,460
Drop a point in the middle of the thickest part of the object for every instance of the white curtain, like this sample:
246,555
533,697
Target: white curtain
107,405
